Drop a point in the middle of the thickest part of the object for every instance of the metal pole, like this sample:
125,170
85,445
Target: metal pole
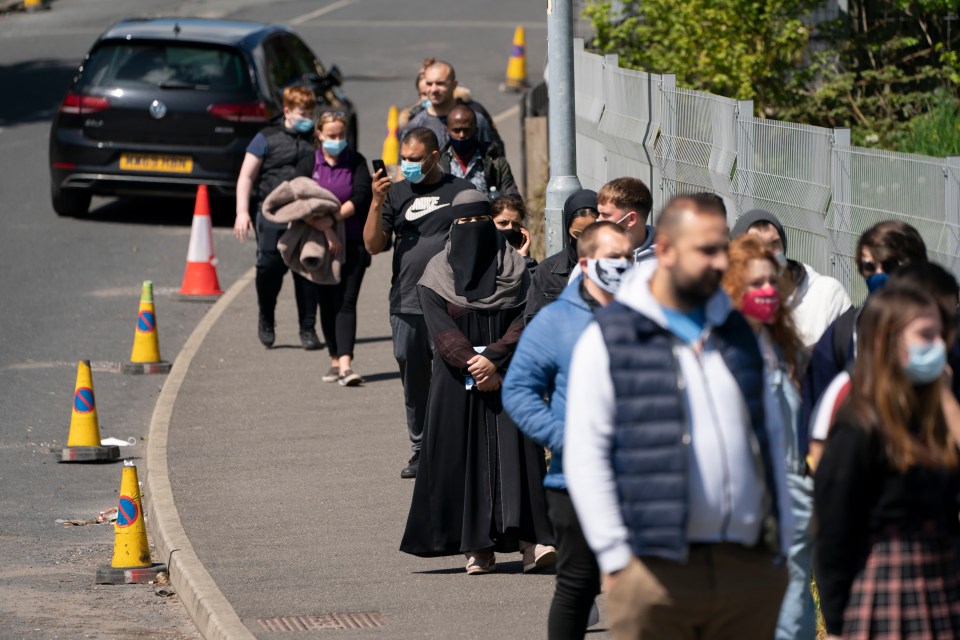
562,130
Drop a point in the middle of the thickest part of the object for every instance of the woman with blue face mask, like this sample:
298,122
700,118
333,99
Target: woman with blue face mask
885,491
343,172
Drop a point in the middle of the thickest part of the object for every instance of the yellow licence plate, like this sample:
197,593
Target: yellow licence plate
158,163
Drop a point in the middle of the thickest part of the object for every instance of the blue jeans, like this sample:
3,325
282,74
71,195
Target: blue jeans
798,614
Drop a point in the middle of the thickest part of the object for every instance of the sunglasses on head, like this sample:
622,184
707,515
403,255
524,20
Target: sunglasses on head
868,267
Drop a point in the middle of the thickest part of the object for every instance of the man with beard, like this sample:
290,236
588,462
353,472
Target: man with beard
465,156
673,451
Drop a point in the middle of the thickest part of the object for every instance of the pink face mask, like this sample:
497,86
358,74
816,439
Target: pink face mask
761,304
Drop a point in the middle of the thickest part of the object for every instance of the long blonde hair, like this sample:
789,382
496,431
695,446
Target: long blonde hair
910,418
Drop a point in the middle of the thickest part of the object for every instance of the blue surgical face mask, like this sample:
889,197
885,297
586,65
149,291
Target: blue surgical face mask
781,259
925,363
412,171
425,103
334,147
303,125
876,282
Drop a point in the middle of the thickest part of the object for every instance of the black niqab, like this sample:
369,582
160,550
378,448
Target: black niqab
473,257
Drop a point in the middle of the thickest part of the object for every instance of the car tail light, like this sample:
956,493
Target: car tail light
80,104
64,165
246,112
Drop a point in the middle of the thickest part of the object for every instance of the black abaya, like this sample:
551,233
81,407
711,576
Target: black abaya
480,480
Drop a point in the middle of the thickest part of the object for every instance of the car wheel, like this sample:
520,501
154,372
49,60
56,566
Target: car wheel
70,202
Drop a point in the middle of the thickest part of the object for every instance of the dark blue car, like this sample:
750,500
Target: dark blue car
161,105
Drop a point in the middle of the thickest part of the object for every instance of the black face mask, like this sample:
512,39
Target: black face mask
464,148
513,237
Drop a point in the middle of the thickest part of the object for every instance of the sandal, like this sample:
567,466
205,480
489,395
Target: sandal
538,556
481,561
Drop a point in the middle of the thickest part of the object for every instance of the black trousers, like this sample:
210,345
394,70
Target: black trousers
338,303
578,575
269,280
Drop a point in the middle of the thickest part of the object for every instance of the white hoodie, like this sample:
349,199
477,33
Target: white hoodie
725,484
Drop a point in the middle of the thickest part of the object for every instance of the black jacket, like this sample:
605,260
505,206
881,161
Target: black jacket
496,169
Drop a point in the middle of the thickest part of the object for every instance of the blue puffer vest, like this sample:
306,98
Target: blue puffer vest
651,441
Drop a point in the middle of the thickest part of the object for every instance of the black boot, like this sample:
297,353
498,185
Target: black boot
265,331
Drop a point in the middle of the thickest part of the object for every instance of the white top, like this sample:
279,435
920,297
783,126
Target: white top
817,302
822,417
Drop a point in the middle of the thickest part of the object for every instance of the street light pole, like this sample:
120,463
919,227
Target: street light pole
562,129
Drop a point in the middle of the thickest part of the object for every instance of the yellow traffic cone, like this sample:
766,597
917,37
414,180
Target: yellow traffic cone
83,441
391,144
131,554
517,66
145,357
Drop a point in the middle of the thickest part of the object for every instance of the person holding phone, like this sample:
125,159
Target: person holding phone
416,213
343,172
509,213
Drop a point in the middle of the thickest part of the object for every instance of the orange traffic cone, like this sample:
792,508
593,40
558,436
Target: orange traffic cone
517,66
200,279
83,442
391,144
145,357
131,554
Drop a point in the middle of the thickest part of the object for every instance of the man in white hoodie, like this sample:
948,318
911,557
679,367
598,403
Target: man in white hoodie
673,450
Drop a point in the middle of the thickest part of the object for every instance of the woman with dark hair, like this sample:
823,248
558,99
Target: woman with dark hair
479,484
755,283
509,213
343,172
886,489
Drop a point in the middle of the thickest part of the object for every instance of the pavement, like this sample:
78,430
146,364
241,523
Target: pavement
273,495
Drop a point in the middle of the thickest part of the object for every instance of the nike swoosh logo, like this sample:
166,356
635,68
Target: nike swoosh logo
417,213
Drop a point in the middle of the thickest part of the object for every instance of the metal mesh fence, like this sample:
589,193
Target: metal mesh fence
825,191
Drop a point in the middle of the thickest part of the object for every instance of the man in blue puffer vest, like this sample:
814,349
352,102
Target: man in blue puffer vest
673,451
534,394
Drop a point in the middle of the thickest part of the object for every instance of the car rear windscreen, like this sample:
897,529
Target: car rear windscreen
172,66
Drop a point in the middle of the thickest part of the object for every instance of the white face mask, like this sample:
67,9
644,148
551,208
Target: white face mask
607,273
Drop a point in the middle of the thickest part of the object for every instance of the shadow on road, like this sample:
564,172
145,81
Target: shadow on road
161,211
39,85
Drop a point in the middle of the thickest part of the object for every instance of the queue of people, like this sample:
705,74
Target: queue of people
677,415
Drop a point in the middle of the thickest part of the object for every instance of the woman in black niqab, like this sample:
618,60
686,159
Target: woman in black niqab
479,485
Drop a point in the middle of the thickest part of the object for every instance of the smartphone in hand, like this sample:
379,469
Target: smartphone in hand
379,166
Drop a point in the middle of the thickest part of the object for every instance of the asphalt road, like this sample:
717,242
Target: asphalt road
69,288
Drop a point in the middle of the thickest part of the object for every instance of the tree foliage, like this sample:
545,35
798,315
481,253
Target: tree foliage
889,69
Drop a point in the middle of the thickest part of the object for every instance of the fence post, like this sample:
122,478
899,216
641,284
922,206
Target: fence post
842,192
745,159
668,126
562,129
951,207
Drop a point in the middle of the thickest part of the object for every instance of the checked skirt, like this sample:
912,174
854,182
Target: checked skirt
909,589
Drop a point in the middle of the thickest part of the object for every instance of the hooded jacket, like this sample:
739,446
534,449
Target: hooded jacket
553,274
714,484
540,368
817,300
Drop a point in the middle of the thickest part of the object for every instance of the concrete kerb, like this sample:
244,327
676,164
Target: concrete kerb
211,612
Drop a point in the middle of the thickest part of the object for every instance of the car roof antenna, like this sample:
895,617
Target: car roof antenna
176,29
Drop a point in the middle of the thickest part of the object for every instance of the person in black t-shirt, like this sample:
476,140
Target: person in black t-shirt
417,213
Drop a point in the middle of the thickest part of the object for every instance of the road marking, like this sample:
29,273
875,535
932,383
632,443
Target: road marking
322,11
97,366
428,24
512,112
